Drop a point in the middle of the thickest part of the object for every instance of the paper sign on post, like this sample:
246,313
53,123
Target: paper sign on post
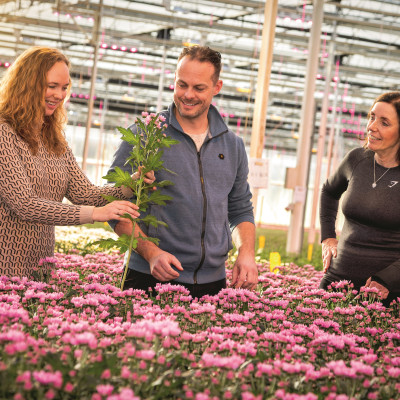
258,173
299,194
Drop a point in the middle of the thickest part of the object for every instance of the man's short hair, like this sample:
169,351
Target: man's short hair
204,54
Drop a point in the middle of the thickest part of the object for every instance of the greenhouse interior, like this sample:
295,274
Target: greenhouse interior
139,43
300,78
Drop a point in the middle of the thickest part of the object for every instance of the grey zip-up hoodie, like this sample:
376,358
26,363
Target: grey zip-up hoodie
210,197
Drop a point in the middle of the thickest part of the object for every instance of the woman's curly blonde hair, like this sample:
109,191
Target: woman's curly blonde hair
22,100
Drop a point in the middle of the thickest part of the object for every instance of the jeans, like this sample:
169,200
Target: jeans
139,280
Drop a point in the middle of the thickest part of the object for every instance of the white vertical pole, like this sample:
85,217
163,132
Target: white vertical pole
100,146
96,44
332,131
262,90
161,80
321,141
295,233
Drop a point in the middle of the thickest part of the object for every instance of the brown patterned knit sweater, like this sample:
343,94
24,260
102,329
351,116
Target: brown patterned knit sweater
31,192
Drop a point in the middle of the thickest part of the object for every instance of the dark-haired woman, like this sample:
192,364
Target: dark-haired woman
368,181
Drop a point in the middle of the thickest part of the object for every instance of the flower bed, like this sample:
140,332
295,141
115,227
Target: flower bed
79,336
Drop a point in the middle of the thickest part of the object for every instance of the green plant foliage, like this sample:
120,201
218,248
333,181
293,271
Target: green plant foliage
146,155
275,241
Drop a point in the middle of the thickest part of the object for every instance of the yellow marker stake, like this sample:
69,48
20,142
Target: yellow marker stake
310,250
274,261
261,243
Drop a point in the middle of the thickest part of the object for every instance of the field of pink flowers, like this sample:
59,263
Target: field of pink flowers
78,336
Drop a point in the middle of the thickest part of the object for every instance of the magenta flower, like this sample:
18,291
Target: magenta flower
211,360
145,354
48,378
105,390
106,374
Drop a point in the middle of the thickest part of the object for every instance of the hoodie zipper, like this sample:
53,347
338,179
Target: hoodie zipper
203,223
203,191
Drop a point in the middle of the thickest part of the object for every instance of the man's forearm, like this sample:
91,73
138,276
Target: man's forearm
244,238
145,248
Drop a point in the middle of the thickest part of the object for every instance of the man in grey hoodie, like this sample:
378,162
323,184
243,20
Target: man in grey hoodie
211,198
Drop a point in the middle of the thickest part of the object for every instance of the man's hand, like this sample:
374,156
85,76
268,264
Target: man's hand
245,273
383,292
149,178
329,250
160,261
161,266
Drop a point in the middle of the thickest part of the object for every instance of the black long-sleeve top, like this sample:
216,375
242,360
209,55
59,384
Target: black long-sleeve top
369,244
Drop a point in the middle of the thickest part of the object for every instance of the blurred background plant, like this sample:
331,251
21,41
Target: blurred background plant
275,241
80,239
